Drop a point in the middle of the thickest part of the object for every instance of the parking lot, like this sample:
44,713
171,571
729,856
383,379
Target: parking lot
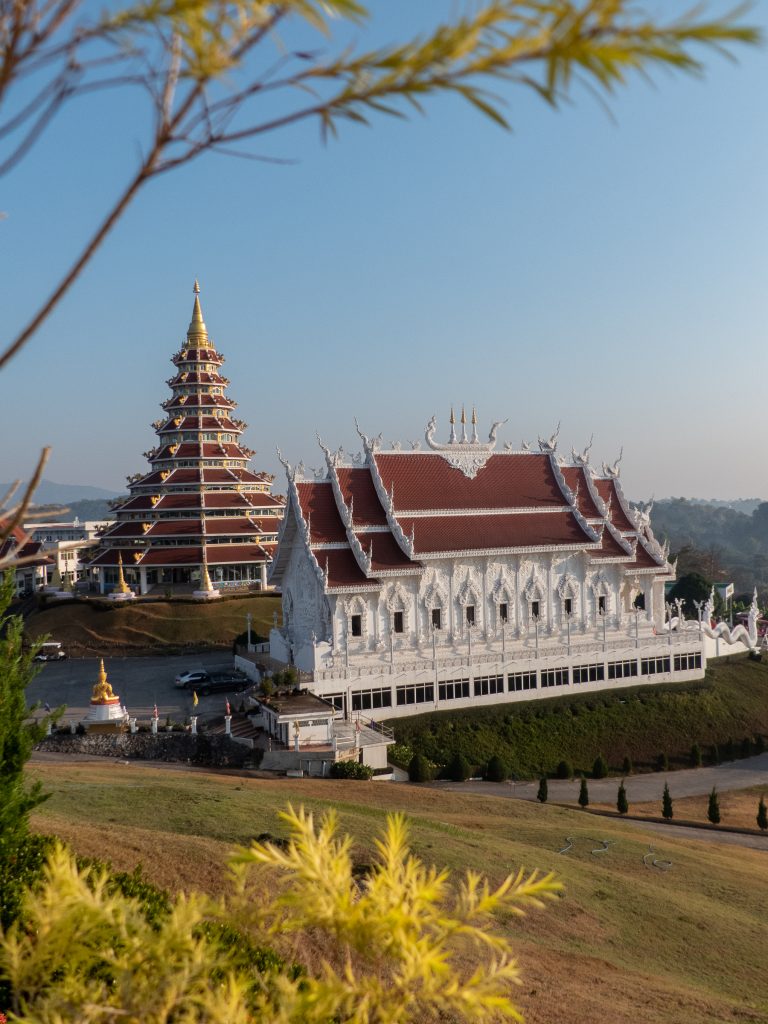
139,682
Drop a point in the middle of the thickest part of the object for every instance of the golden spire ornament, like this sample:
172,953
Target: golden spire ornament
122,587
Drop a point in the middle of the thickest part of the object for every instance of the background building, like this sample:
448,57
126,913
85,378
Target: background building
200,503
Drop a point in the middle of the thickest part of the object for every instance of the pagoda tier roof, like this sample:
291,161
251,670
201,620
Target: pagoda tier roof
181,555
184,477
198,401
359,493
578,477
200,422
250,500
446,533
197,355
426,481
231,525
609,491
192,555
125,529
242,499
200,449
197,377
318,506
645,559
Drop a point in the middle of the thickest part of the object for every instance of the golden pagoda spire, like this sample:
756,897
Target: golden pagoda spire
205,579
197,328
122,587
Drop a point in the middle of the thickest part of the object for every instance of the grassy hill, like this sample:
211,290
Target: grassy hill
641,723
151,627
627,944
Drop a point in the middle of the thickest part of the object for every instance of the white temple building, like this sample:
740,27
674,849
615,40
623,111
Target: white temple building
459,574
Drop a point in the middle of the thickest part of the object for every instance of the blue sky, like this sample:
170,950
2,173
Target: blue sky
610,274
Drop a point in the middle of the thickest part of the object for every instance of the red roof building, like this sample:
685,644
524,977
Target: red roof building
393,562
198,503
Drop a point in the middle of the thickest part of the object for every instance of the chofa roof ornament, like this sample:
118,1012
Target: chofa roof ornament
468,455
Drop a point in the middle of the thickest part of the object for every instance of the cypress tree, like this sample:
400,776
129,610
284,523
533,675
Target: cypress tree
695,756
627,767
622,804
583,793
600,767
419,770
497,770
762,815
713,810
543,793
666,803
565,770
459,768
662,763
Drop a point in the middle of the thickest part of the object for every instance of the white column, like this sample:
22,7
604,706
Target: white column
193,721
154,727
143,588
516,609
550,609
263,575
227,725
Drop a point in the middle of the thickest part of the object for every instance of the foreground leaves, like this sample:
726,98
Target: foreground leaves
402,943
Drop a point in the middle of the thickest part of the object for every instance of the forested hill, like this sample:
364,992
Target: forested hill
726,543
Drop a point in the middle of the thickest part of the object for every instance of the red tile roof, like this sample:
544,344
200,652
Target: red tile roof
643,560
174,528
318,505
230,526
609,547
607,491
226,554
576,476
434,534
387,554
426,481
343,570
124,530
356,486
192,555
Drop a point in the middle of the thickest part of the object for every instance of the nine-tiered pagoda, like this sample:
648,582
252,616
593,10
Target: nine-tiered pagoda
200,512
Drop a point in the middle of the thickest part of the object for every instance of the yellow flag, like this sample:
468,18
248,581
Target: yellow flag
194,698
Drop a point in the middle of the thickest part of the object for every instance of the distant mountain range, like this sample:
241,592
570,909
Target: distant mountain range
51,493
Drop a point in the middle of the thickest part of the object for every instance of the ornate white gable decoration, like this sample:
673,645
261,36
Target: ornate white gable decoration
534,588
468,593
467,454
397,598
599,585
434,595
613,471
568,586
549,446
582,458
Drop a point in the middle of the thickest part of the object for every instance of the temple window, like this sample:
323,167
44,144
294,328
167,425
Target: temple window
568,606
436,618
470,615
357,625
639,602
601,605
504,612
397,622
535,609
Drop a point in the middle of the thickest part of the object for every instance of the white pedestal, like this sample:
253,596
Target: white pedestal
205,595
121,597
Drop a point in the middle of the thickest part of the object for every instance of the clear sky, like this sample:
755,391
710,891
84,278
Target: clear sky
610,274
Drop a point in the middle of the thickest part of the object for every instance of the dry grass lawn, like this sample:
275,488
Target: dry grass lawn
627,944
738,808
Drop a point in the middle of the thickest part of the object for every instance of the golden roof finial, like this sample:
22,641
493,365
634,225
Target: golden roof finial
453,418
205,579
474,417
463,415
197,328
122,587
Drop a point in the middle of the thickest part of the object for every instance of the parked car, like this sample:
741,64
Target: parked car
224,682
192,680
51,651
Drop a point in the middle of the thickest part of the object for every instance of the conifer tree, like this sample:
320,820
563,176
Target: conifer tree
583,793
543,792
713,810
627,767
622,804
762,815
696,756
666,803
600,768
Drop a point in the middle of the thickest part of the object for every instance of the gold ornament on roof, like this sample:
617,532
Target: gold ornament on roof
145,527
164,474
154,499
173,449
197,328
137,555
102,691
177,421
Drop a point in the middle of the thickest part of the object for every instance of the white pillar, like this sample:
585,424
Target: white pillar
549,597
48,727
193,721
154,726
143,587
133,725
227,725
263,575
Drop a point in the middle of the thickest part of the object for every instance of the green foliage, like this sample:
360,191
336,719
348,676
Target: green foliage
394,943
622,804
419,769
600,768
636,722
351,770
713,807
696,759
267,686
666,803
564,770
583,793
497,770
762,815
690,588
662,763
746,747
399,754
759,744
458,768
543,793
626,766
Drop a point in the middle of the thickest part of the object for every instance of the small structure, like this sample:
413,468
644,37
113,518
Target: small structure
306,734
122,591
207,591
105,713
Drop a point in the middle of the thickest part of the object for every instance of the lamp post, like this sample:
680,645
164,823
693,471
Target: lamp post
679,602
637,626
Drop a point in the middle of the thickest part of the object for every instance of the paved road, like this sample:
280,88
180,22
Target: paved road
752,771
139,682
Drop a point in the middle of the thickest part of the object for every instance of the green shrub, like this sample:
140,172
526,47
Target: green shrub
564,770
399,754
543,793
662,763
622,804
458,768
746,747
351,770
497,770
419,769
666,803
762,815
600,768
583,793
713,808
627,767
759,744
696,756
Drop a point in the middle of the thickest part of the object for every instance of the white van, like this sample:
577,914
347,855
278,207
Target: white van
51,651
